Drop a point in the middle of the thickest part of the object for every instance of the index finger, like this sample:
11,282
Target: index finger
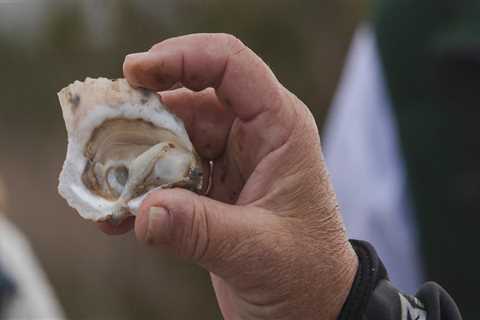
243,82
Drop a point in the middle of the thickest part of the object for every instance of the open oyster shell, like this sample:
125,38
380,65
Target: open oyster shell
122,143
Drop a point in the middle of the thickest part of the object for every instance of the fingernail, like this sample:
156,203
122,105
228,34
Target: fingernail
136,55
158,225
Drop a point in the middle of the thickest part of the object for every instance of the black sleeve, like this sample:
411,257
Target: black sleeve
373,297
7,290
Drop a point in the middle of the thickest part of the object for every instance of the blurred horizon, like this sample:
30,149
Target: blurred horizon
47,44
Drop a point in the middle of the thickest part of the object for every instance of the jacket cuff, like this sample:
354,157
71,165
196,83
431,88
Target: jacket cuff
370,272
7,289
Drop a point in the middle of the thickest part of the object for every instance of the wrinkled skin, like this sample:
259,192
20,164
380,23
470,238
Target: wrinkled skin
270,232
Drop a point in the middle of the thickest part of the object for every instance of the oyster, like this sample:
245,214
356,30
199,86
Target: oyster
122,143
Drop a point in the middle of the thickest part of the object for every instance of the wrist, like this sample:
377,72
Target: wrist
340,289
329,285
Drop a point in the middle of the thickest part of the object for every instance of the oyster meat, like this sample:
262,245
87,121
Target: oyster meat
122,143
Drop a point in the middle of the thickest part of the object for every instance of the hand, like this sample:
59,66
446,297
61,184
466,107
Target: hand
271,233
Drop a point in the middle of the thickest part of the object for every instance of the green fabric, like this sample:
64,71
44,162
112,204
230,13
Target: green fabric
430,50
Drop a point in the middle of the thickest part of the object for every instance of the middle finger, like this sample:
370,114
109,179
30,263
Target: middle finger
207,121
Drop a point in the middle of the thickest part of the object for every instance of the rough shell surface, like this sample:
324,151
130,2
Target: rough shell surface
122,143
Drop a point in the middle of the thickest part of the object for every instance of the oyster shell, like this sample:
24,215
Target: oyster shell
122,143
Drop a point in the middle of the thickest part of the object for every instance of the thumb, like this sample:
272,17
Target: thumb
197,228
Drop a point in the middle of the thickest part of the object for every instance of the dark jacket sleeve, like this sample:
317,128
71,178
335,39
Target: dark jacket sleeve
374,297
7,289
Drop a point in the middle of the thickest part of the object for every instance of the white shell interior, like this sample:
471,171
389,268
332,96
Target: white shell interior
85,106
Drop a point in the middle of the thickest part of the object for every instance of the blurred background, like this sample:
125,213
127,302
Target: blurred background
47,44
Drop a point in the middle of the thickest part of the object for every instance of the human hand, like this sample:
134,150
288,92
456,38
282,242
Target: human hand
270,233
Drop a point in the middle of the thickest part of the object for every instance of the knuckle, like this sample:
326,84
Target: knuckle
233,43
160,45
278,97
156,46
